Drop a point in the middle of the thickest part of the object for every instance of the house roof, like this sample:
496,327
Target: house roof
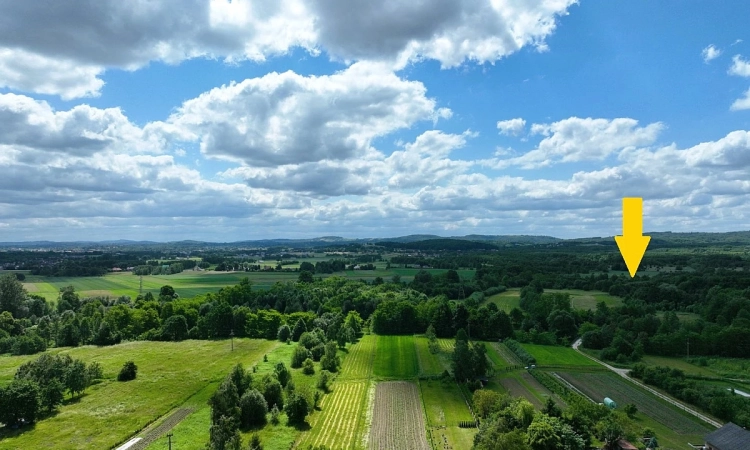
729,437
625,445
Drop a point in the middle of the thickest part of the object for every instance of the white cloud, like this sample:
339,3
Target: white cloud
63,48
287,118
449,31
576,139
710,53
742,102
740,67
511,127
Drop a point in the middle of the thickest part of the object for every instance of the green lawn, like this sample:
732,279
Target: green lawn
580,299
109,413
396,358
445,407
550,355
507,300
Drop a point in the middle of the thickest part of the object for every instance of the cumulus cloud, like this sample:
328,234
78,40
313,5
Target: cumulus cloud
710,53
577,139
742,102
739,67
60,48
291,119
511,127
448,31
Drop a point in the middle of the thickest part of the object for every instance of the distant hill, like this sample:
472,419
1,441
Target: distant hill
424,241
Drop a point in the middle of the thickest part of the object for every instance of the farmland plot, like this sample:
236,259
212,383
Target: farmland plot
446,345
398,420
341,422
600,385
445,408
396,357
358,363
553,355
429,363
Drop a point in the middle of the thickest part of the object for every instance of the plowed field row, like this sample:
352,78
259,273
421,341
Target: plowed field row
339,424
447,345
398,420
600,385
358,363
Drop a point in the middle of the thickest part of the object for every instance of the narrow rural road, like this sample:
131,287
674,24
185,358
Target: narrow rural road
624,373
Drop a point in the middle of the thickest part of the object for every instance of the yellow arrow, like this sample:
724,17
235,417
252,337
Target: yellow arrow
632,243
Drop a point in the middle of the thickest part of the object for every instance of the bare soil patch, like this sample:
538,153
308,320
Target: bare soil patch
398,419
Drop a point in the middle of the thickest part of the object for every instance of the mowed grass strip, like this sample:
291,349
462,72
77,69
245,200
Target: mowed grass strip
110,412
358,362
396,357
445,408
551,355
340,423
429,363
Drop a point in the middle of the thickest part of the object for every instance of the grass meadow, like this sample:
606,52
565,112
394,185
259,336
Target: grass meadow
111,412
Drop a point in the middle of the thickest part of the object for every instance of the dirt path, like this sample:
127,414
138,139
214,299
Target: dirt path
624,373
155,433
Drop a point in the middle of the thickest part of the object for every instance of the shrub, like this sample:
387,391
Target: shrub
284,333
128,372
308,367
296,408
253,408
324,380
299,356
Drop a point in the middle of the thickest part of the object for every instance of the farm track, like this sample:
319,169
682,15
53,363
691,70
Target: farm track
624,374
169,423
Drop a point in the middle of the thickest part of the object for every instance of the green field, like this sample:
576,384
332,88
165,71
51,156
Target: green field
429,364
506,301
550,355
396,358
580,299
109,413
445,407
191,283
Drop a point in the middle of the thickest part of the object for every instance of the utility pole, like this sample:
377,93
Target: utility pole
231,335
169,436
140,288
688,347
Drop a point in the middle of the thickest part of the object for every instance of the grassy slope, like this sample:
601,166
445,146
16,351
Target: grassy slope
193,432
110,412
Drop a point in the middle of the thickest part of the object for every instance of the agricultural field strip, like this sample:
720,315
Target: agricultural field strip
599,385
334,429
353,382
623,373
506,354
391,430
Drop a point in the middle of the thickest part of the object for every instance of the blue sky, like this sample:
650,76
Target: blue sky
244,120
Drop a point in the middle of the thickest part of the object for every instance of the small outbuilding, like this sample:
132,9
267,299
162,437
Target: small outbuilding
609,403
728,437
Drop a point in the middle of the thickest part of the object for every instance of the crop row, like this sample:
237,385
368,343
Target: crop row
358,363
398,420
337,425
600,385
